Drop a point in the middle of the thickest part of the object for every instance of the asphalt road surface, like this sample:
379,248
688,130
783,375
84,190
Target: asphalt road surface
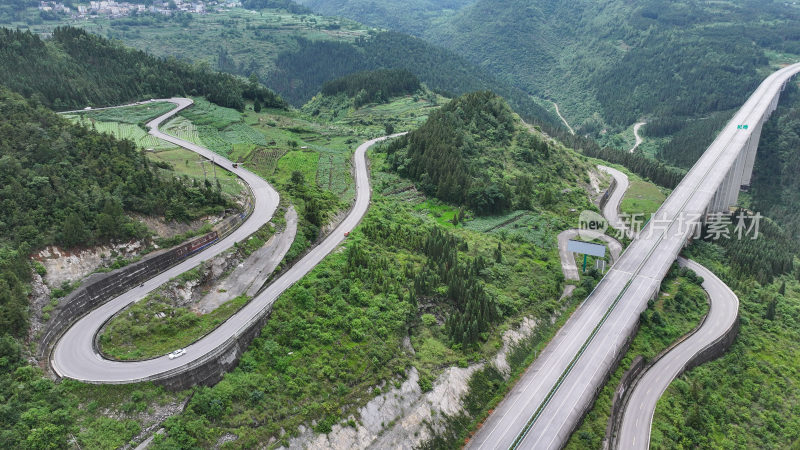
611,208
551,397
636,135
638,416
74,355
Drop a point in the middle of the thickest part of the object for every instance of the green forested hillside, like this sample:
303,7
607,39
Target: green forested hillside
474,152
374,86
775,186
617,52
61,183
296,53
623,60
76,68
88,179
748,398
412,16
301,73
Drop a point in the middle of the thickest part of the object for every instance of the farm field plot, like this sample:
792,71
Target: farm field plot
275,143
264,161
125,131
214,140
279,127
297,160
441,212
240,133
488,223
241,152
247,36
538,229
406,112
182,128
403,113
204,112
130,114
185,162
333,174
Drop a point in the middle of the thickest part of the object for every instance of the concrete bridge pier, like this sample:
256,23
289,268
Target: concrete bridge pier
750,154
740,174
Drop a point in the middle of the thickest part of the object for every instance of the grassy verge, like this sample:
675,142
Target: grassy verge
642,198
188,163
154,326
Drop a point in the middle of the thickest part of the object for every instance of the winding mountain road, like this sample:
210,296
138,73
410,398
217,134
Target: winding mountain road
558,111
611,209
639,139
74,356
640,407
650,386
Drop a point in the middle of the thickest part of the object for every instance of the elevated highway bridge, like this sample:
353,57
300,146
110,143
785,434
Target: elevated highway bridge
556,391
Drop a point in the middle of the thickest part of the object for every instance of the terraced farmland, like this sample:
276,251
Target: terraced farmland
130,114
333,174
264,161
125,131
204,112
182,128
538,229
214,140
240,133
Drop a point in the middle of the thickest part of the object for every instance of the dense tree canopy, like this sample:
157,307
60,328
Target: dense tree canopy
373,86
706,74
89,179
472,152
775,185
75,69
301,72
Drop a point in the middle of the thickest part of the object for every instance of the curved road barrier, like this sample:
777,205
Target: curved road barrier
611,206
75,355
711,338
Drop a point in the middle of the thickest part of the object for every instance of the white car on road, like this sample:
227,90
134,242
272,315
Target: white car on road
177,353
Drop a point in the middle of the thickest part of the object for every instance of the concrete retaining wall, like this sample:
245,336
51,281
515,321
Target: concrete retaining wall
209,370
607,193
617,404
711,352
99,288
